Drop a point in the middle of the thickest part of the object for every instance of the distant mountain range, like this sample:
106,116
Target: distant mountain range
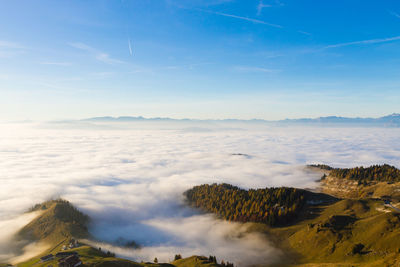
392,120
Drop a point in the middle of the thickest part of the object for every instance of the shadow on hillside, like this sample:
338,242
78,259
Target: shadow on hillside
310,212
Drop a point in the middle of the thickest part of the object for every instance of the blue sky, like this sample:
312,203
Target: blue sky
248,59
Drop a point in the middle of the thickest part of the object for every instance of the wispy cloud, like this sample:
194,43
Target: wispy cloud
6,44
99,55
198,3
395,14
261,6
254,69
364,42
187,66
64,64
130,47
135,69
103,74
305,33
256,21
9,49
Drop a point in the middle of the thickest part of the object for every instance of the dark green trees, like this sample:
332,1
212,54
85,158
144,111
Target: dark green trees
177,257
272,206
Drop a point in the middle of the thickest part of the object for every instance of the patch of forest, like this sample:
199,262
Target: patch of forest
381,173
321,166
273,206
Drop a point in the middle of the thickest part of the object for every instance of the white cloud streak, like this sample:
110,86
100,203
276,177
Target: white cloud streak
247,69
10,49
305,33
364,42
130,47
7,44
98,55
256,21
261,6
63,64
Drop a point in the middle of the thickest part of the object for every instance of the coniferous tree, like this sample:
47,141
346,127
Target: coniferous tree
177,257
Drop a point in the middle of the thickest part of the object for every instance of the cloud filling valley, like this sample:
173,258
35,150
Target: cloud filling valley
130,180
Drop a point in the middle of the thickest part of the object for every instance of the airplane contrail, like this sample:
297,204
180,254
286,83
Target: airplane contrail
130,47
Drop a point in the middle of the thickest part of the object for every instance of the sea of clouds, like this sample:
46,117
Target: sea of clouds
130,178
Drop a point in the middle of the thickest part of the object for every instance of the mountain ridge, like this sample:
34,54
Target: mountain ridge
392,120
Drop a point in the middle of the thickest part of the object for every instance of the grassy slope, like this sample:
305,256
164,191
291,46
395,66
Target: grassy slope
194,261
59,221
88,255
350,189
329,238
93,257
56,225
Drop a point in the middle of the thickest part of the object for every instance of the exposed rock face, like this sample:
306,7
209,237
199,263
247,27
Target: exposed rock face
345,188
340,187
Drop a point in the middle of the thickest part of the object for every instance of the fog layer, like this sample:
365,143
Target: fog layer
130,180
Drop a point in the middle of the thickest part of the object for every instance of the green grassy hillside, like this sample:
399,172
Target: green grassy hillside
59,220
195,261
93,257
96,258
351,232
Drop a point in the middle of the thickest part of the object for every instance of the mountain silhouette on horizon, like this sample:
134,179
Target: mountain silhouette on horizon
392,120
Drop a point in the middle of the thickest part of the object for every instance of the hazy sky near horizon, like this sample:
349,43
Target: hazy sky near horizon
269,59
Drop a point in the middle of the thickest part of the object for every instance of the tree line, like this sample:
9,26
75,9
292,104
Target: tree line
383,173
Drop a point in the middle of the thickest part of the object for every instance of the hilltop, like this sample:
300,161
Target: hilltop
63,230
58,220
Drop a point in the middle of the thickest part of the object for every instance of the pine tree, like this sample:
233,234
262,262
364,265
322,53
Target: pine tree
177,257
